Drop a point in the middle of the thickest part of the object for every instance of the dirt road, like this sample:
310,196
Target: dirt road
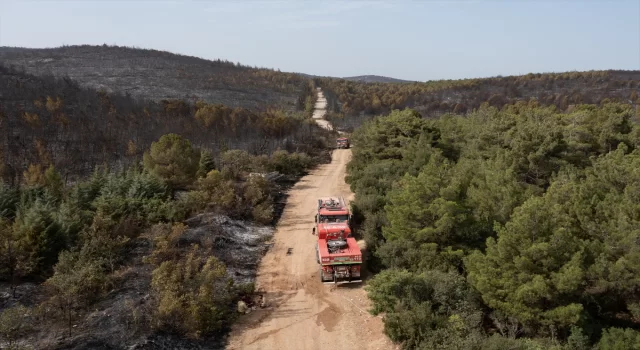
302,312
320,109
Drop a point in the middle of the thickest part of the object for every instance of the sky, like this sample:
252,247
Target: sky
414,40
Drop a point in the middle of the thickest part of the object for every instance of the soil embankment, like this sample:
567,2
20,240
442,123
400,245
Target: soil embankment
303,313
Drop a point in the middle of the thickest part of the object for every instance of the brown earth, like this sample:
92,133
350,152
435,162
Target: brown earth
303,313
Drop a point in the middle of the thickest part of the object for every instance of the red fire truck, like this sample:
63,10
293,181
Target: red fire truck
342,142
337,252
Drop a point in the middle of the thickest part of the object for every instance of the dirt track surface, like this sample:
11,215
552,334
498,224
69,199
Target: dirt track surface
303,313
320,109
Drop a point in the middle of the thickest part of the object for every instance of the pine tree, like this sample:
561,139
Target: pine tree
53,182
173,159
206,164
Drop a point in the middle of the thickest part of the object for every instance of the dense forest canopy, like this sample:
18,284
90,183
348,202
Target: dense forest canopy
512,227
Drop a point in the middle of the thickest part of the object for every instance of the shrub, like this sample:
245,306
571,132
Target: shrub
220,191
433,308
193,296
76,282
290,163
173,159
619,339
236,162
14,323
206,163
41,233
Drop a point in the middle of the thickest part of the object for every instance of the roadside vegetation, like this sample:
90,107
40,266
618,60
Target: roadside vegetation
508,228
77,243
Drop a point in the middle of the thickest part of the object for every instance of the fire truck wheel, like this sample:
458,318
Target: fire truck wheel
322,280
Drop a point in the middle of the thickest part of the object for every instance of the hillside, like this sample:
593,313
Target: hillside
159,75
359,78
155,248
434,98
375,79
47,120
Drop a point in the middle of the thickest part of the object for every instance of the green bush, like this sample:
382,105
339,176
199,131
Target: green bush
431,308
619,339
257,199
14,323
290,163
194,295
78,276
236,162
206,163
42,235
173,159
219,191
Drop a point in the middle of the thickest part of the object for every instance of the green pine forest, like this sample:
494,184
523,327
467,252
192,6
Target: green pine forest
508,228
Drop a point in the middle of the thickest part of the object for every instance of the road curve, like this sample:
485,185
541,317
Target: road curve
303,313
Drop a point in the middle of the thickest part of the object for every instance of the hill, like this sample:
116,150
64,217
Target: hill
359,78
172,188
159,75
375,79
47,120
433,98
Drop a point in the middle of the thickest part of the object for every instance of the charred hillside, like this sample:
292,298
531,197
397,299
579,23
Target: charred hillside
434,98
159,75
45,120
111,198
376,79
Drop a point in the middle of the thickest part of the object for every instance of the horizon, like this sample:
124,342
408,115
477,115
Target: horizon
614,44
325,76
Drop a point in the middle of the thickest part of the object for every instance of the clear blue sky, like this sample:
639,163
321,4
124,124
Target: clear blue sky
418,40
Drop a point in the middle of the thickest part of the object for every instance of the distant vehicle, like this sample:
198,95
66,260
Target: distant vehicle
342,142
337,252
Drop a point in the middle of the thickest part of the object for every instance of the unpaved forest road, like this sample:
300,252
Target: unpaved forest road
320,109
303,313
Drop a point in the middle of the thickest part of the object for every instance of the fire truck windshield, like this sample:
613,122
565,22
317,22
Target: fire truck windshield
334,218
